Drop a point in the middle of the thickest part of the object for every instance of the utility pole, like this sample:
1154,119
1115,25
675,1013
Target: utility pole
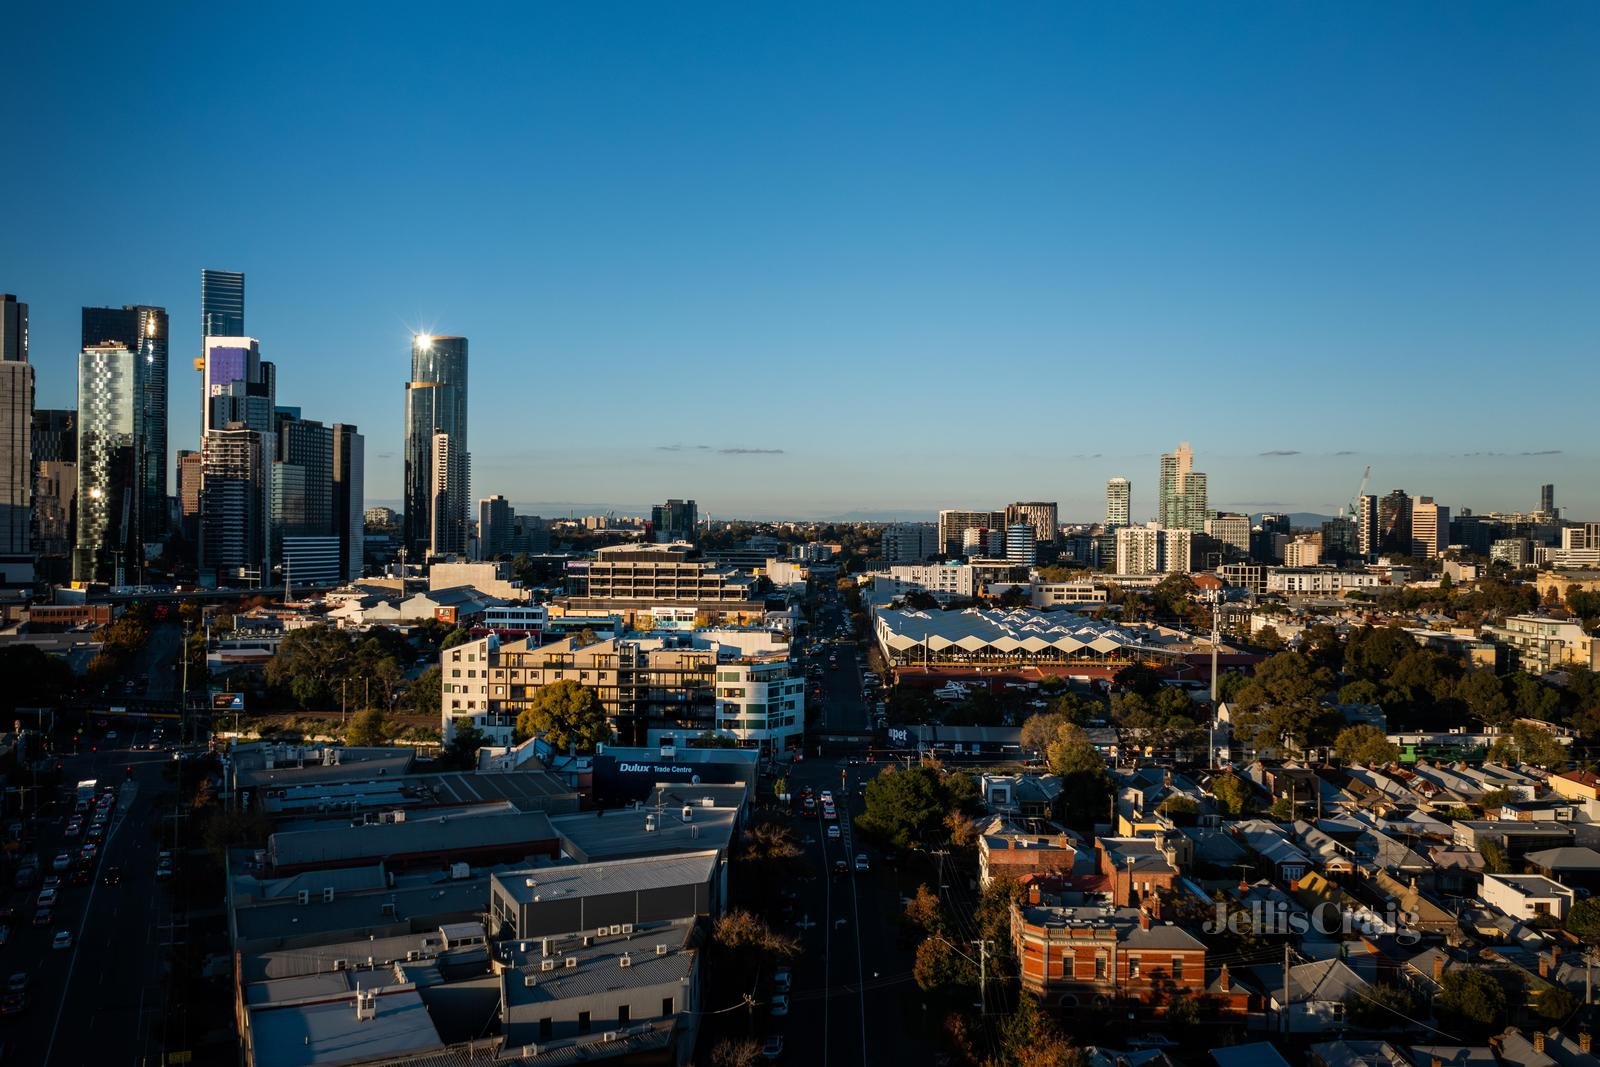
983,974
1286,1004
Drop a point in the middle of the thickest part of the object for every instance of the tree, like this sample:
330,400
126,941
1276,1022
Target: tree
1381,1007
367,728
938,968
905,807
462,752
736,1052
1029,1038
567,715
1281,707
1528,744
1085,784
423,696
1532,699
1556,1003
1583,920
1495,860
1493,799
1233,796
309,664
1360,691
992,916
31,677
1472,1001
1365,745
1484,696
925,911
1039,730
1139,678
455,637
1268,638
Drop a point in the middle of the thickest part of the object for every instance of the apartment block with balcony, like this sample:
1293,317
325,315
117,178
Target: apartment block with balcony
1543,644
634,579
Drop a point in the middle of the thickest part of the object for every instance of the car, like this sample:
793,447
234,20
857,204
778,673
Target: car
164,869
841,867
772,1048
13,1004
830,813
96,834
43,917
781,977
111,735
833,831
81,876
87,853
112,876
63,939
52,882
809,803
47,898
862,863
780,1005
827,796
62,861
17,983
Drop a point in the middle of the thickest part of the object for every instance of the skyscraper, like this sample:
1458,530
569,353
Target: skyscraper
142,330
494,526
16,443
1430,528
239,386
676,520
1040,514
55,488
1119,500
221,303
1021,544
1394,523
953,526
1368,537
436,404
349,497
235,506
110,420
1547,501
1181,503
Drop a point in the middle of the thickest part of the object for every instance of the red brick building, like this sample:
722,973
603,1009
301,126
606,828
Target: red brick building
1086,956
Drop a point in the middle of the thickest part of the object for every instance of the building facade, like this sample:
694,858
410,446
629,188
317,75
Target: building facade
235,506
143,330
1181,504
953,524
1039,514
349,497
221,303
675,521
494,527
1430,528
16,441
1233,530
1394,523
910,542
1119,503
108,545
640,578
436,509
1020,544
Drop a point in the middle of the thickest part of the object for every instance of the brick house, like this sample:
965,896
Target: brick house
1085,956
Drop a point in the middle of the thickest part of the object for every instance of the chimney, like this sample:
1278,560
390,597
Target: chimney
1224,981
1555,956
1034,895
1583,1042
1438,969
1538,1041
1435,1062
1544,967
1144,920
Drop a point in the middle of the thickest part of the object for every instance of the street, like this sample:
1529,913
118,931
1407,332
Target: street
101,1000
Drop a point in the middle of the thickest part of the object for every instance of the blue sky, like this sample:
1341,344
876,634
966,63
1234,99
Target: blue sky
872,257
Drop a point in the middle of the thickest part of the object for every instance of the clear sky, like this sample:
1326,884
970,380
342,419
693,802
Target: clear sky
812,259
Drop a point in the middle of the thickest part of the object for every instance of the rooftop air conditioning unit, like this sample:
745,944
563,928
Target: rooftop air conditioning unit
529,981
600,932
616,928
688,813
610,1035
661,950
341,965
412,955
547,965
303,897
572,963
327,894
625,961
627,928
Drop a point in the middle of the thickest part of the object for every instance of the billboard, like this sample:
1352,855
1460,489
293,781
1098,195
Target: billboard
227,701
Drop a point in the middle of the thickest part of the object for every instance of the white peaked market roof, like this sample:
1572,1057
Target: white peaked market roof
1018,631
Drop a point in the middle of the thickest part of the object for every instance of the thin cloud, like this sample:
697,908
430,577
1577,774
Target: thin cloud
1544,452
1346,452
1282,452
750,451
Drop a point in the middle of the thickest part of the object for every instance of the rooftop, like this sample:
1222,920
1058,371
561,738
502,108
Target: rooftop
326,1030
616,876
657,955
592,837
446,835
1530,885
1568,858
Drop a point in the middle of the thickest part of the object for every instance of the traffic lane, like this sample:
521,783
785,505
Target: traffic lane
843,708
119,969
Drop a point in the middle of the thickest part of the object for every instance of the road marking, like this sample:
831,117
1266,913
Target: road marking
855,907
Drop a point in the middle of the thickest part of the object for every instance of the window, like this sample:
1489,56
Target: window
1133,966
622,1016
456,673
666,1006
547,1028
1177,968
583,1022
1100,968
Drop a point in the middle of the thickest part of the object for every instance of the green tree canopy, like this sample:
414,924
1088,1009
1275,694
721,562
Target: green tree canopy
367,728
1472,1002
1085,783
1484,697
1583,920
1280,709
907,807
1233,795
1366,745
567,715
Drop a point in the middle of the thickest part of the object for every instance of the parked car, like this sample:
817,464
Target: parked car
62,861
833,831
780,1005
47,898
43,917
17,983
63,939
781,977
862,863
772,1048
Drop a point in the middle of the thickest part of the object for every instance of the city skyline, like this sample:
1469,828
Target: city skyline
1174,198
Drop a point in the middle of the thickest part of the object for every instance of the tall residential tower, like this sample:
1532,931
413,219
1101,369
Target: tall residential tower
1119,500
437,502
1182,496
143,331
16,445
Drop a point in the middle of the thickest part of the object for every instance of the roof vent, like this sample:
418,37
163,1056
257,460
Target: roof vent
572,963
547,965
661,950
529,981
625,961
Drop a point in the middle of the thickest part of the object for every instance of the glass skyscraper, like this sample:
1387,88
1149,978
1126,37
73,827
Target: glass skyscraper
221,304
143,331
1181,501
110,423
437,502
16,441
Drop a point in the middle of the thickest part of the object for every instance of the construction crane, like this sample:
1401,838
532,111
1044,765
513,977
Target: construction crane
1355,501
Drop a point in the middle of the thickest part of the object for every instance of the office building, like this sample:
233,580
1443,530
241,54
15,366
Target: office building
235,506
1512,551
675,522
221,303
1119,501
238,385
143,331
189,478
349,498
1547,501
943,580
108,545
1340,540
1368,537
437,502
1394,523
16,443
305,541
1020,543
983,543
1039,514
910,542
650,577
1181,504
54,444
1233,530
494,527
1430,528
953,524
